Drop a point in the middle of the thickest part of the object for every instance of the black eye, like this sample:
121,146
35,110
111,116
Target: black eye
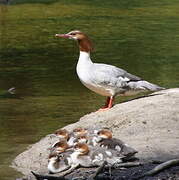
73,34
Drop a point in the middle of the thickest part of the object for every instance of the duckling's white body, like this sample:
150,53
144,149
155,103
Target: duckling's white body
77,159
104,139
56,166
100,154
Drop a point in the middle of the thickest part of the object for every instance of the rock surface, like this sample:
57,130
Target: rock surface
149,124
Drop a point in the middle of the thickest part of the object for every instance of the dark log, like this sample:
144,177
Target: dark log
160,168
45,177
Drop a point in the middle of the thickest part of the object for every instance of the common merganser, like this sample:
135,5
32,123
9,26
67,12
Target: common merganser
106,140
96,155
83,155
86,131
87,156
85,135
56,164
106,80
82,139
80,157
63,134
77,135
80,131
59,146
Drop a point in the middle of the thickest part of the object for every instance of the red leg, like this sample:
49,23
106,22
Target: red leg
108,105
107,102
111,100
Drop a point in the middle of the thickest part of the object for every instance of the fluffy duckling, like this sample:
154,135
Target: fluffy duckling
104,139
88,156
86,131
84,135
80,131
60,146
56,163
63,134
80,157
82,139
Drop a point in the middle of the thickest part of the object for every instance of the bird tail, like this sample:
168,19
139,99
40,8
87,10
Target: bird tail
144,85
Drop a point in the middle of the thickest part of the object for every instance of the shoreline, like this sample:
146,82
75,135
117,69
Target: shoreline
149,124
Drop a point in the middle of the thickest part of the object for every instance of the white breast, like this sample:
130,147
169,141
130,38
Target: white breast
85,73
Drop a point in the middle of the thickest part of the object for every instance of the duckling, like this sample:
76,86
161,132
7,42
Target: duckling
86,131
82,139
85,135
104,139
88,156
59,146
56,164
99,155
80,157
80,131
63,134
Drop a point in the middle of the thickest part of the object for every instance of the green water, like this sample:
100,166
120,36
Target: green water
140,36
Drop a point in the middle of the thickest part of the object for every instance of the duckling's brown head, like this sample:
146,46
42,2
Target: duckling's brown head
83,40
82,148
62,134
61,146
105,134
80,131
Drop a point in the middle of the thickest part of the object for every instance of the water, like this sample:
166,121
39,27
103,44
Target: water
140,36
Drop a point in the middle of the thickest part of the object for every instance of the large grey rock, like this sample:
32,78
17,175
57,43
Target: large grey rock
149,124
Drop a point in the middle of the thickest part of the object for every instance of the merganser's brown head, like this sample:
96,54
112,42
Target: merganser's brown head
82,148
105,134
80,131
83,40
62,134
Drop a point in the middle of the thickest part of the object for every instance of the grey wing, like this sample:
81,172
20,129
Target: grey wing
112,76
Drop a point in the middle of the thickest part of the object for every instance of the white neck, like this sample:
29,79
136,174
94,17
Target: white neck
84,64
84,56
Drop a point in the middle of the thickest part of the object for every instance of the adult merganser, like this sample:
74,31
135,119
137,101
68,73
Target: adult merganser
106,80
106,140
